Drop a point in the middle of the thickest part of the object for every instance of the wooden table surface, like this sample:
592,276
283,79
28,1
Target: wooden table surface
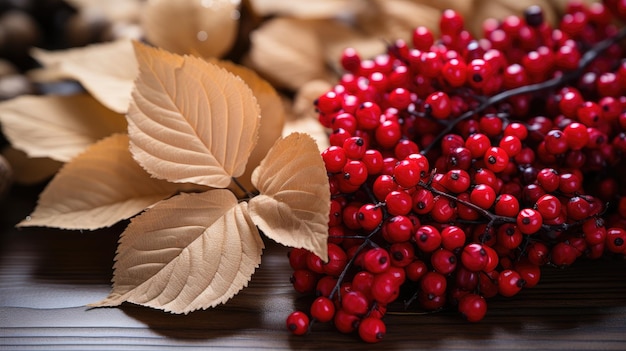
47,276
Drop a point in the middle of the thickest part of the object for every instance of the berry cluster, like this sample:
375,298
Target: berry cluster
460,166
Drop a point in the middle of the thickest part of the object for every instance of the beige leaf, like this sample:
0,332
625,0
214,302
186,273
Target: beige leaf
58,127
272,115
309,126
190,252
190,120
294,201
205,28
106,70
288,52
97,189
337,36
304,8
304,100
30,170
395,19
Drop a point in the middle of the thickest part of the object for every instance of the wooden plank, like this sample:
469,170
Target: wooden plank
47,277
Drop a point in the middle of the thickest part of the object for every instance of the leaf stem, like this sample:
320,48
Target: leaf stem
243,188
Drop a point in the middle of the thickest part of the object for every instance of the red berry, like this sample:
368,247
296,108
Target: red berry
474,257
376,260
323,309
529,221
509,283
372,330
298,323
473,307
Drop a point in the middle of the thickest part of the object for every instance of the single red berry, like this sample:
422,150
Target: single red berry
355,172
433,283
483,196
509,236
323,309
415,270
355,302
506,205
529,272
407,173
452,237
510,283
496,159
473,307
529,221
423,38
345,322
443,261
474,257
402,254
370,216
376,260
427,238
334,158
385,288
303,280
372,330
337,260
616,240
438,105
298,323
549,206
563,254
388,133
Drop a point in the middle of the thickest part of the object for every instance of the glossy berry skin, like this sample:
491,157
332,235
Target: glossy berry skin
372,330
473,307
355,302
323,309
427,238
376,260
496,159
483,196
529,221
334,158
369,216
407,173
474,257
298,323
510,283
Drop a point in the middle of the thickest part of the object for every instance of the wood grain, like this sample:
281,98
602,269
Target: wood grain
47,276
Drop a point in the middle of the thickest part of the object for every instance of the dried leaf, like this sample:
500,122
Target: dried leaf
189,120
304,101
97,189
287,52
205,28
30,170
58,127
294,201
190,252
106,70
309,126
305,9
338,35
272,115
395,19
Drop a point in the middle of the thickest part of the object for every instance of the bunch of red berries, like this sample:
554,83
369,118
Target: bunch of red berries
460,166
